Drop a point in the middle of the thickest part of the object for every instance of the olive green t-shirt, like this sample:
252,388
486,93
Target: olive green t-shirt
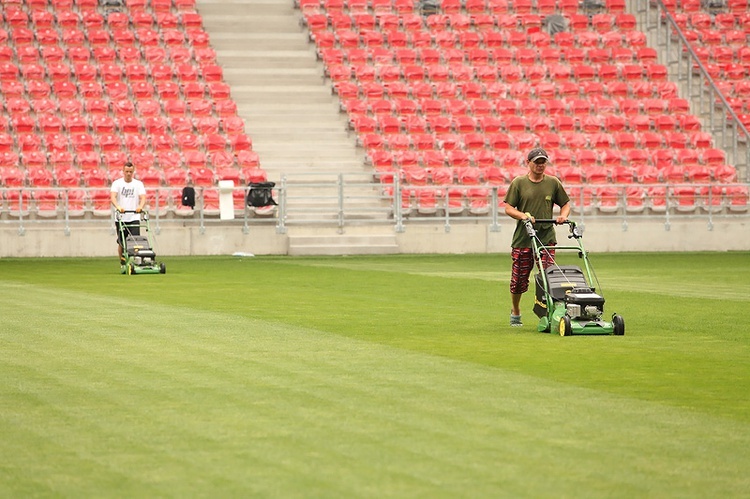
537,198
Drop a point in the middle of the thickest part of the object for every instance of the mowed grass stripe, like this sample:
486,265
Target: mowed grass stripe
727,282
190,402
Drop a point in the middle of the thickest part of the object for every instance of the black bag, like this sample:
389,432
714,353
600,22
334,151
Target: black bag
261,194
188,197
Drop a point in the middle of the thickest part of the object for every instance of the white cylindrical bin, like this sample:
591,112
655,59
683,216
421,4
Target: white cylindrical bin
226,200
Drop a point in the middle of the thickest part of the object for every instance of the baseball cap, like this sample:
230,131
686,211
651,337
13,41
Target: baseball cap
537,153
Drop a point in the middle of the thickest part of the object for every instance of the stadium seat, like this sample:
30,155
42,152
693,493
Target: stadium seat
608,199
46,203
151,176
581,199
685,198
95,177
737,198
635,199
157,201
101,205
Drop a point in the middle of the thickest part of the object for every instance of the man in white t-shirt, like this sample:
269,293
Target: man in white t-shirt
127,195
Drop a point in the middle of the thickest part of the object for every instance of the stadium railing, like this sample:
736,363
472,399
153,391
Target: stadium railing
345,200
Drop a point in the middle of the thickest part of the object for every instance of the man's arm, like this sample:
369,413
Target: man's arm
113,200
516,214
564,213
141,203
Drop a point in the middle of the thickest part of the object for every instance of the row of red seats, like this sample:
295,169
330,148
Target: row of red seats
203,173
84,142
540,80
657,199
505,151
55,57
681,143
523,56
40,166
498,37
115,78
724,56
546,94
108,36
46,120
624,142
565,114
723,21
138,90
545,81
108,72
78,202
610,166
694,6
158,6
20,97
143,108
407,7
461,23
478,69
43,17
113,160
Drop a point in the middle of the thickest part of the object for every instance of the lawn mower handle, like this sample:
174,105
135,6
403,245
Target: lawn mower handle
119,214
575,232
552,221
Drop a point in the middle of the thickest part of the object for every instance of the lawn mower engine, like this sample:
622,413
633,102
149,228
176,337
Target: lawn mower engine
584,303
139,249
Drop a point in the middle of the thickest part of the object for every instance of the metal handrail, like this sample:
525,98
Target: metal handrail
373,203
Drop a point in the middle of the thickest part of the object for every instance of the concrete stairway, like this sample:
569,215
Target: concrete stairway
291,115
356,241
279,87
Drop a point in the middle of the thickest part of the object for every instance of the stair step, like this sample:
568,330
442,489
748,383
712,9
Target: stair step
278,83
343,245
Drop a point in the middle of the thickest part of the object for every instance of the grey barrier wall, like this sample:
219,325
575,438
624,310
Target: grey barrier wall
459,218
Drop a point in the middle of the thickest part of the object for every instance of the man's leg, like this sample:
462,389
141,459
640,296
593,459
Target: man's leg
523,262
515,301
548,257
118,229
123,232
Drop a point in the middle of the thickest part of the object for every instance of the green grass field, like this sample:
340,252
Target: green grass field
392,376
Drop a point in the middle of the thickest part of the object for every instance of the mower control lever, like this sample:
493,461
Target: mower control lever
529,228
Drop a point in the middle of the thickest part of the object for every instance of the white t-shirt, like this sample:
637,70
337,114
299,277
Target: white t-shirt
128,196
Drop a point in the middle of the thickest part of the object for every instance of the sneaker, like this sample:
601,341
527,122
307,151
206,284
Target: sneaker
515,320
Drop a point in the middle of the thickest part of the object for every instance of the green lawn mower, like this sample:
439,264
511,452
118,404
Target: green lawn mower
139,253
566,301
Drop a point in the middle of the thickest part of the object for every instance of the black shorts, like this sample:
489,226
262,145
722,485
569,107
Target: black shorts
131,228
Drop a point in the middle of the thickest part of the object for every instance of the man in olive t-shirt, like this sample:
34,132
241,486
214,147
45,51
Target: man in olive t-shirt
530,197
